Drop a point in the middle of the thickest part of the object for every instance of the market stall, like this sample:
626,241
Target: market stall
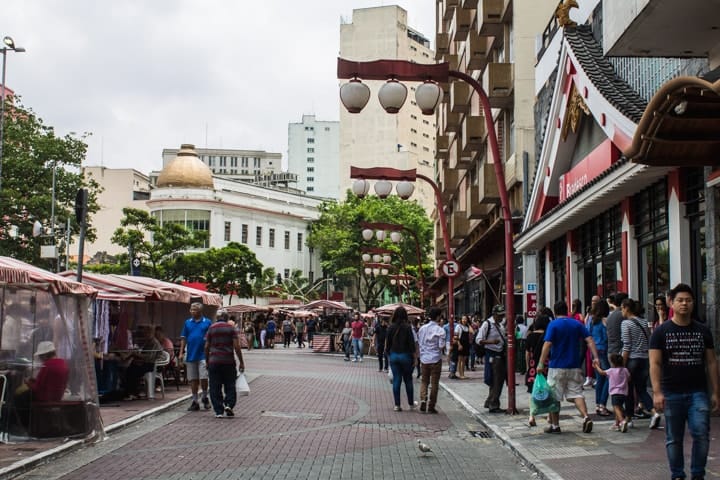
47,379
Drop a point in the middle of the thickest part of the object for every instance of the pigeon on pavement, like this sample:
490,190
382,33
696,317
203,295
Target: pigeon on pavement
423,447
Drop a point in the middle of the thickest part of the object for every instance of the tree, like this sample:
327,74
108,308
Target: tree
31,152
337,235
265,284
158,245
228,270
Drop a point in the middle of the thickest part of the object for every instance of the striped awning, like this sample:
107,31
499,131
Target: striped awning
16,272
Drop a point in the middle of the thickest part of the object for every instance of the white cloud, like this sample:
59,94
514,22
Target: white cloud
142,75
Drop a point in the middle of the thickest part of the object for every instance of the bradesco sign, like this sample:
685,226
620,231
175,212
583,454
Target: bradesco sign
590,167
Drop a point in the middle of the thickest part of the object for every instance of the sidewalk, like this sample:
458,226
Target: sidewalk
637,454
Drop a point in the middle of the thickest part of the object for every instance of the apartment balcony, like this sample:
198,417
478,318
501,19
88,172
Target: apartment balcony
459,97
498,84
442,41
461,23
489,17
449,9
457,158
477,49
465,155
473,132
474,209
469,3
442,142
448,181
513,171
507,11
450,120
439,245
488,191
459,226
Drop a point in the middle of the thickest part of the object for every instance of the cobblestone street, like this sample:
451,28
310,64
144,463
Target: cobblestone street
308,416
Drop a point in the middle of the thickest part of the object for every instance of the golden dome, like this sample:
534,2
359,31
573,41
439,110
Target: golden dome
186,171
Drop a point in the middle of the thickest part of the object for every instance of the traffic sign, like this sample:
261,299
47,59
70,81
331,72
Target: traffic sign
136,264
451,268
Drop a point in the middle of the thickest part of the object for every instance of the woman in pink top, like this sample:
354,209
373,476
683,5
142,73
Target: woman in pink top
618,378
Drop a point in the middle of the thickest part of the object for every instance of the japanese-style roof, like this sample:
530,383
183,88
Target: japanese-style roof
15,272
601,72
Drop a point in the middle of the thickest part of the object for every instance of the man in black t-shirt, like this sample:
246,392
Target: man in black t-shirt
684,371
311,325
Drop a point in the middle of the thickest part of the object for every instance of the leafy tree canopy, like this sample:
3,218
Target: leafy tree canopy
338,236
31,151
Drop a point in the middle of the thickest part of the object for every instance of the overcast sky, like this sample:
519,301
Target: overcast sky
143,75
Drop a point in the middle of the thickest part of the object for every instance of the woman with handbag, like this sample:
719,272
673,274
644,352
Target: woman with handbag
402,352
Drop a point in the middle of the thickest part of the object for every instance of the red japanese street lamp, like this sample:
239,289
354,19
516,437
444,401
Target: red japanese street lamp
395,236
377,254
355,96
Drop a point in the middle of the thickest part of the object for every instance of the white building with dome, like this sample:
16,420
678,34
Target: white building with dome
273,223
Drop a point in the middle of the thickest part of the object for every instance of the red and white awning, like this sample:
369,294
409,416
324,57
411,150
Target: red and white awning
16,272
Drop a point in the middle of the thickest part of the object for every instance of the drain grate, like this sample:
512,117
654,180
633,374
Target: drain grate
481,434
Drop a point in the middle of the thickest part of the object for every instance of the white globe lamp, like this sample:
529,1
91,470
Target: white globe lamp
427,97
392,96
383,188
354,95
405,189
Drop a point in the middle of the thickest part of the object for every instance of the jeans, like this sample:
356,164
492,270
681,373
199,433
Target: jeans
639,369
430,375
601,381
347,346
382,358
222,377
402,370
357,347
693,408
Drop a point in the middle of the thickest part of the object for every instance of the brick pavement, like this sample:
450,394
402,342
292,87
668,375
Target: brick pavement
308,416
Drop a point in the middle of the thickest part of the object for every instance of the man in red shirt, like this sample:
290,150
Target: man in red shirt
358,332
222,344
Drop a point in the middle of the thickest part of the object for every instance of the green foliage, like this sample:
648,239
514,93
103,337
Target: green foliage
30,153
338,236
159,246
265,284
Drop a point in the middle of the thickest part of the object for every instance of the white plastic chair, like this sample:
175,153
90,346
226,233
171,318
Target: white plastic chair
156,374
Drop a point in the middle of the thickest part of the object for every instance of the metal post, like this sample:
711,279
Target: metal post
2,111
52,219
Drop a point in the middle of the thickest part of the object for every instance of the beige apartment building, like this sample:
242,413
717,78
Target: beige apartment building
121,188
495,42
375,138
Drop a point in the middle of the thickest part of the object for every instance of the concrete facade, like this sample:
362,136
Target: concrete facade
314,155
375,138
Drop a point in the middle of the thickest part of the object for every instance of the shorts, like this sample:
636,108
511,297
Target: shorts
566,383
196,370
618,399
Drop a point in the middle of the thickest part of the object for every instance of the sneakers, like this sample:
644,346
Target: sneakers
602,411
194,407
218,415
655,421
624,426
413,405
206,403
551,429
360,359
354,359
615,428
229,412
432,410
630,424
587,425
397,408
423,406
588,382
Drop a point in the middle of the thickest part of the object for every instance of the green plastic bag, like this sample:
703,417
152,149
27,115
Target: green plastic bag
542,399
255,343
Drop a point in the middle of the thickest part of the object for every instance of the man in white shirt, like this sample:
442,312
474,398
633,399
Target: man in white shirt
431,340
492,335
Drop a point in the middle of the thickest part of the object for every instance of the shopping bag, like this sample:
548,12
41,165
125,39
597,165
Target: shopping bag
241,385
542,399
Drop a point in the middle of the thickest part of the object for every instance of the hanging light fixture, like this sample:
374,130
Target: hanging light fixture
367,234
380,235
354,95
386,259
384,271
361,188
392,96
405,189
376,271
395,237
377,258
383,188
368,270
427,97
393,281
366,257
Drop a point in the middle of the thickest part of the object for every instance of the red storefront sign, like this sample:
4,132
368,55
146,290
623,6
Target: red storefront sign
590,167
531,304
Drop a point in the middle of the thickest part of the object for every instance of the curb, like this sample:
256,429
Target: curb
537,465
23,466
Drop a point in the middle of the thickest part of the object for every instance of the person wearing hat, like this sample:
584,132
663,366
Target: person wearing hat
492,336
48,386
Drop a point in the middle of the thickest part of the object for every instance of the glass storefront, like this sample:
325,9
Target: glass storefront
695,213
193,220
599,255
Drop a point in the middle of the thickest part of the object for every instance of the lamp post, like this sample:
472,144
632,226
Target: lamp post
9,47
355,96
393,227
406,177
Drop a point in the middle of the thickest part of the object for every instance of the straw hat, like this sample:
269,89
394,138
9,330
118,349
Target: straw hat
44,348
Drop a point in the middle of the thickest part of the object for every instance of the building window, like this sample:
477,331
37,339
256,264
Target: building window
327,129
299,242
413,130
287,240
233,161
271,239
310,150
286,273
310,159
193,220
258,236
227,231
310,179
310,189
310,169
256,162
310,140
244,162
244,235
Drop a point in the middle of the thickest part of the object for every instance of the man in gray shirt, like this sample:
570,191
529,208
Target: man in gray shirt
613,323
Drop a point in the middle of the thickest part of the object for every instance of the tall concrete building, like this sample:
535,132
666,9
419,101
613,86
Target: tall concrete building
375,138
313,155
495,42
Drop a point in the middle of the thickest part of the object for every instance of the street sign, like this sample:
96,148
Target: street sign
450,268
531,287
531,304
136,263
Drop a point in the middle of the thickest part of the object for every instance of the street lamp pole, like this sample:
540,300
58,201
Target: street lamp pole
9,46
432,75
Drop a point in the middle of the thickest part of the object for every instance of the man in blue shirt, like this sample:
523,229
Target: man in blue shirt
192,342
563,339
